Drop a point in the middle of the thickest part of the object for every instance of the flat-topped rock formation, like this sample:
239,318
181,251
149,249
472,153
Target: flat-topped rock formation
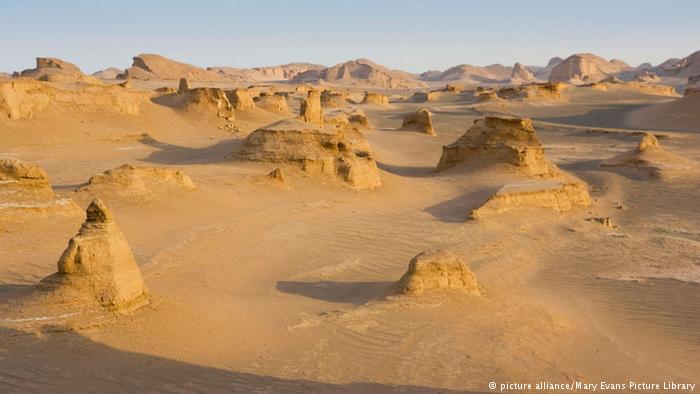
272,102
284,72
531,195
437,270
649,157
361,72
241,99
25,191
97,267
585,68
375,99
130,180
420,121
332,99
334,153
499,140
23,99
544,91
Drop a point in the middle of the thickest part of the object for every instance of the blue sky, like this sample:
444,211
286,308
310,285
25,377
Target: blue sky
406,34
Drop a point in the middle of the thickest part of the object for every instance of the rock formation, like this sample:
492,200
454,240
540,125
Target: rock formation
110,73
155,67
130,180
472,74
375,99
331,99
23,99
521,74
97,266
420,121
556,195
499,140
544,91
585,68
183,86
680,68
277,175
285,72
693,85
310,110
51,69
647,77
437,270
273,102
361,72
241,99
649,157
342,154
25,190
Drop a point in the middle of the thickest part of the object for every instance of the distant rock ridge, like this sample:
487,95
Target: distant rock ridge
586,68
155,67
361,72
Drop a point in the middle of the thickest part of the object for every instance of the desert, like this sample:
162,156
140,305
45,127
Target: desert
348,199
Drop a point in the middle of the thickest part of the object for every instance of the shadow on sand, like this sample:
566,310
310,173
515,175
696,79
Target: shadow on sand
173,154
457,210
356,293
68,362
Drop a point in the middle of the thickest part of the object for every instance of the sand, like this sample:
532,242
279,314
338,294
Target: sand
282,283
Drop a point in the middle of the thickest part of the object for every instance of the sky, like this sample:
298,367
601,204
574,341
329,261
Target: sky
410,35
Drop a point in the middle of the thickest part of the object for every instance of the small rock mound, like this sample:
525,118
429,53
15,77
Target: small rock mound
559,196
420,121
310,110
129,180
25,191
433,270
336,153
202,103
98,266
375,99
277,175
651,158
499,140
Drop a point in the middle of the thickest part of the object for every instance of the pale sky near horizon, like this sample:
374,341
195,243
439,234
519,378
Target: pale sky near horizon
410,35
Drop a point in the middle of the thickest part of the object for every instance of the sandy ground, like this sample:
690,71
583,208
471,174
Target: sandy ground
256,287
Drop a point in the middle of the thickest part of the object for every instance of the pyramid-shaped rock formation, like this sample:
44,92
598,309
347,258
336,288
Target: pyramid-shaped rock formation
437,270
98,266
521,74
337,153
499,140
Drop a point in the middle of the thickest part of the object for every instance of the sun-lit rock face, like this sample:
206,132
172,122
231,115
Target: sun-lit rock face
98,266
585,68
130,180
499,140
342,154
437,270
420,121
311,111
552,195
375,99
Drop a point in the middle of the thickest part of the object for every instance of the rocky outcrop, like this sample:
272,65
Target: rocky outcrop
25,192
473,74
241,99
361,72
420,121
331,99
23,99
680,68
437,270
521,74
98,266
130,180
110,73
650,158
375,99
272,102
693,85
341,154
285,72
533,195
51,69
310,110
585,68
183,86
543,91
155,67
495,140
